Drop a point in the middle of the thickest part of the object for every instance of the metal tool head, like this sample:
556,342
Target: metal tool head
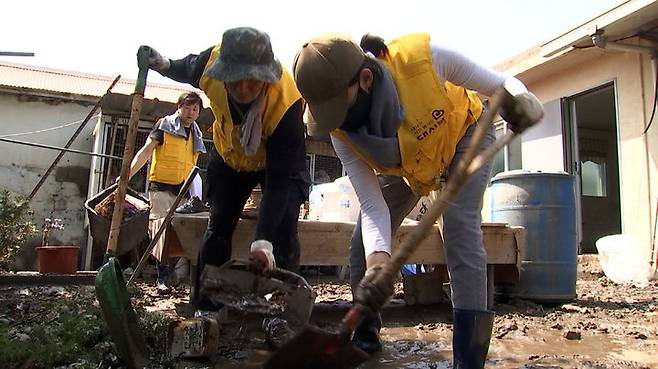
119,315
314,348
276,292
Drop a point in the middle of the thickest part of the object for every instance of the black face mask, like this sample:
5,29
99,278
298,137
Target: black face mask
358,114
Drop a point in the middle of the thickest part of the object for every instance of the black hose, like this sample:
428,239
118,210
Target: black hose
655,101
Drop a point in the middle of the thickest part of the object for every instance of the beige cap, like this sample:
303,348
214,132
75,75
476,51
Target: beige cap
323,69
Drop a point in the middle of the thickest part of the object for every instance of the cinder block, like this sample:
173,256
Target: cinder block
194,337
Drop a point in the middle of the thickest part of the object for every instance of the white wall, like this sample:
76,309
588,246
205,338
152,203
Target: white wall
634,87
64,192
542,147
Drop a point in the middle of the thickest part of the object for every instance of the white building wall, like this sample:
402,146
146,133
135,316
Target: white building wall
634,88
64,192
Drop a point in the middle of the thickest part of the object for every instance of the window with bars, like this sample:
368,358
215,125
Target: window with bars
510,157
115,141
324,169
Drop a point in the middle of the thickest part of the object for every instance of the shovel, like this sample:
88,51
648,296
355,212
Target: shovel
112,293
165,223
315,348
110,285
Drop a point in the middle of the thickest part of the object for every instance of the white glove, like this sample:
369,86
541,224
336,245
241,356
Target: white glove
261,253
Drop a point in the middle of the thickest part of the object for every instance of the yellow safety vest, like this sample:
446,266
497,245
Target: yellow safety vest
280,96
437,114
172,161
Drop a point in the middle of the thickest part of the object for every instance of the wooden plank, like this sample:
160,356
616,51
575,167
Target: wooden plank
38,279
327,243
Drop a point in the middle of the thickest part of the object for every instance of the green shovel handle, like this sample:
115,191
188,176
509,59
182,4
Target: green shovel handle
143,65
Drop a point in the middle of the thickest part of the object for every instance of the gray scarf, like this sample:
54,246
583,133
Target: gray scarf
172,125
379,138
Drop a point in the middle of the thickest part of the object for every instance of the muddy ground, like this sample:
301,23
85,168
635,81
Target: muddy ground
606,326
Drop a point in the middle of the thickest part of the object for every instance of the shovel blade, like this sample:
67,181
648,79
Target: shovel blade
119,315
314,348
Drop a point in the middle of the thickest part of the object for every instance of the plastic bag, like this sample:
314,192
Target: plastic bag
623,260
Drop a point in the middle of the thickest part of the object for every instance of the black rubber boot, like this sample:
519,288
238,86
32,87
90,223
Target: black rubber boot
471,333
366,335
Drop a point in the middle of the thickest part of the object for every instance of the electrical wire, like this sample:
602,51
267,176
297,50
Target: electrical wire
47,129
655,101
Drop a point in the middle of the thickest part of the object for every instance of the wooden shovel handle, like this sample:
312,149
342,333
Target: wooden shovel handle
128,151
471,162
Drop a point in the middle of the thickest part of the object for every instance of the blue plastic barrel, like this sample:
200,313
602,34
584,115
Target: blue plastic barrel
545,204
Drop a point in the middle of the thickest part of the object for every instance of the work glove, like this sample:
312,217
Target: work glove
157,62
520,109
372,294
261,256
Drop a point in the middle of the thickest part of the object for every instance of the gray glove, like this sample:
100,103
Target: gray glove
521,111
373,294
157,62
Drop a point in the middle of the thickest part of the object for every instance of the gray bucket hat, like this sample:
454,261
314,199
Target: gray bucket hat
245,53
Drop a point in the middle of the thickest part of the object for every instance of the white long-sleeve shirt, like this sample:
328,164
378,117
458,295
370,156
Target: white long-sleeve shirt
375,218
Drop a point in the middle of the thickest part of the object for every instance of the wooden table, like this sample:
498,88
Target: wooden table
327,243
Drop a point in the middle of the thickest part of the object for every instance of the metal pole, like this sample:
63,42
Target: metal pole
68,144
15,53
44,146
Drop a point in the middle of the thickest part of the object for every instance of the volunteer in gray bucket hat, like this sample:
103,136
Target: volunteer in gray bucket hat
245,53
258,138
400,118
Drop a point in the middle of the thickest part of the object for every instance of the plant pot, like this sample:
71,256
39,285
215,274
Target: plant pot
58,259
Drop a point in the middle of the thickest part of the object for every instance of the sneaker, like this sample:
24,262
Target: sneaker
162,288
192,206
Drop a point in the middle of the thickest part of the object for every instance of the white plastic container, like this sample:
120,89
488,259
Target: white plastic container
334,202
623,259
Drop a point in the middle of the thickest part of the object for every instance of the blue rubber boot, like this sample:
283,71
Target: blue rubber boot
470,338
366,335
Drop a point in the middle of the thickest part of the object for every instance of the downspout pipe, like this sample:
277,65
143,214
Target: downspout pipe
599,40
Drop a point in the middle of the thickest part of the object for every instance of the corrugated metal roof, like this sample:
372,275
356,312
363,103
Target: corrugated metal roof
70,82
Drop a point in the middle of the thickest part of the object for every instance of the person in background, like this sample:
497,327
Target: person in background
173,146
400,117
258,137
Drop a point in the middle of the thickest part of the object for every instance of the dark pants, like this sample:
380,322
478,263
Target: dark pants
228,191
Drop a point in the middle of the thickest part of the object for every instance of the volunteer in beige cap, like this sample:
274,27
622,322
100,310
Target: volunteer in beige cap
323,70
400,116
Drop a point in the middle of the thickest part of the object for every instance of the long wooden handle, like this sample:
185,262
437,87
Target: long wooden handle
128,150
122,187
469,164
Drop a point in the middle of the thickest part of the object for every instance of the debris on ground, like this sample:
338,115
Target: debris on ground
606,326
131,207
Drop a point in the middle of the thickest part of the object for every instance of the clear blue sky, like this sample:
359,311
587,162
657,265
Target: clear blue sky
101,37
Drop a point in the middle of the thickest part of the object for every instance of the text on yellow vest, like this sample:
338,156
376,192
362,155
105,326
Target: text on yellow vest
436,114
279,97
172,161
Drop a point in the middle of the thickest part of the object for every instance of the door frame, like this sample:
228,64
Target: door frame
572,154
